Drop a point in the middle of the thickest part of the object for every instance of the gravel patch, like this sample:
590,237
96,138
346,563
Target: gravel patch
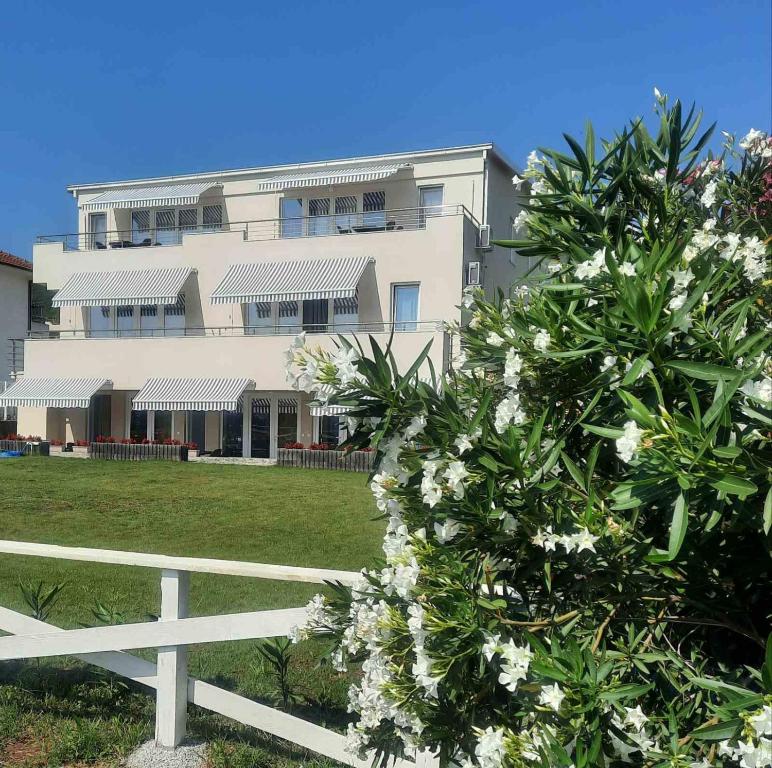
149,755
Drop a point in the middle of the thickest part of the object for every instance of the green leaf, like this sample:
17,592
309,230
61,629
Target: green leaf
611,432
703,371
735,486
626,692
718,731
678,526
767,525
727,451
635,370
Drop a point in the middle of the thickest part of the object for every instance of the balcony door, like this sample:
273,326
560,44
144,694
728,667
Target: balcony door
97,228
232,433
100,416
261,428
315,315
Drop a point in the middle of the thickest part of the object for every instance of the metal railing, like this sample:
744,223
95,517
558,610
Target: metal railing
418,326
15,356
365,222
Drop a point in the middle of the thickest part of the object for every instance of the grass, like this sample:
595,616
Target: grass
69,713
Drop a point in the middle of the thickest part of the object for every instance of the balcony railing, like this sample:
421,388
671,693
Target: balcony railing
418,326
348,224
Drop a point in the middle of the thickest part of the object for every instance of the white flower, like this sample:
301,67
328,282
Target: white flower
295,634
512,366
510,676
551,696
592,267
635,717
609,361
519,655
677,301
494,339
490,748
422,671
759,390
491,646
455,474
541,341
446,531
761,722
517,180
468,297
731,242
657,95
708,198
627,445
519,224
681,278
584,540
753,254
415,427
627,268
554,267
463,443
755,143
508,411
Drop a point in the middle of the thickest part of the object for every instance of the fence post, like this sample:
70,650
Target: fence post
172,680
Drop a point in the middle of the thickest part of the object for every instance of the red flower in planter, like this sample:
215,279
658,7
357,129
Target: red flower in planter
81,443
57,443
294,445
191,446
320,447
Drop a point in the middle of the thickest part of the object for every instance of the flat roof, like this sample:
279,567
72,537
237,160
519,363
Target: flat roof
423,153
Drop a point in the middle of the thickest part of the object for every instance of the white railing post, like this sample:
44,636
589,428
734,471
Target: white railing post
172,679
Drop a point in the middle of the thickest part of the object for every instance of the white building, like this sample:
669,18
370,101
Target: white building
15,319
179,295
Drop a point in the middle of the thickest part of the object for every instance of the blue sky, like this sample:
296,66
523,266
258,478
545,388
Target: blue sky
100,91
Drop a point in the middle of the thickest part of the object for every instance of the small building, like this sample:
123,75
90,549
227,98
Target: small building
179,295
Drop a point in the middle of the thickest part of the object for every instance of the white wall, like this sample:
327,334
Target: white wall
14,311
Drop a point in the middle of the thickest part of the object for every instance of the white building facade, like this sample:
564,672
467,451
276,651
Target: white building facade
179,295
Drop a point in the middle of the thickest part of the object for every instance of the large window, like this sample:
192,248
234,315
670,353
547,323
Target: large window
165,231
196,429
405,307
150,321
212,218
174,317
345,213
315,315
138,426
330,428
140,227
162,426
430,202
187,218
319,211
100,321
100,416
345,313
289,318
97,227
291,211
124,321
374,207
259,320
287,421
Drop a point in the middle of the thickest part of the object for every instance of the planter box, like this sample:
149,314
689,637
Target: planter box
36,449
81,450
137,452
356,461
55,449
192,454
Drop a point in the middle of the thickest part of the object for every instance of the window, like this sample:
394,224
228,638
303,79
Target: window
287,421
289,318
150,321
138,425
330,428
405,307
291,212
196,429
100,321
97,228
315,315
174,317
430,203
187,218
165,232
345,213
100,416
140,227
374,205
124,320
258,318
162,426
345,313
212,218
319,211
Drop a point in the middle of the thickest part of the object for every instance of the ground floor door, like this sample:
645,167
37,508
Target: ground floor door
196,432
232,433
100,416
260,436
138,425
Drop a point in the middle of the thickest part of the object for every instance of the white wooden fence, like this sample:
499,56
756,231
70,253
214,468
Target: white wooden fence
106,646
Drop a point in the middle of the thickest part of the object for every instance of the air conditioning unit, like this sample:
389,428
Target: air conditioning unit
473,273
484,237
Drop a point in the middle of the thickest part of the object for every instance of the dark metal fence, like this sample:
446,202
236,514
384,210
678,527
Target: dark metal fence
137,452
356,461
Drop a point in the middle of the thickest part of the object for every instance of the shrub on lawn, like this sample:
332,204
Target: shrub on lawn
577,553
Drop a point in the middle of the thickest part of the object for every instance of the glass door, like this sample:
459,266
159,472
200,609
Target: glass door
261,428
97,228
100,416
315,315
232,433
197,429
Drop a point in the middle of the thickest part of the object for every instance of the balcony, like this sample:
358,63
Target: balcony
129,361
348,225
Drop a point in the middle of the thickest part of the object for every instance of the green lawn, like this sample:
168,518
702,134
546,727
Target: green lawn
271,515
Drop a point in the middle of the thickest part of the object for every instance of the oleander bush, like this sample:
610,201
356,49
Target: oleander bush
577,555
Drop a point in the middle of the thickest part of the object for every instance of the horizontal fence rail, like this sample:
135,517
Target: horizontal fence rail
354,461
137,452
418,326
358,223
105,646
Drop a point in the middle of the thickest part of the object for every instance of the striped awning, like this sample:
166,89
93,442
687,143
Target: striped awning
29,392
150,197
131,286
329,177
291,281
329,410
191,395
